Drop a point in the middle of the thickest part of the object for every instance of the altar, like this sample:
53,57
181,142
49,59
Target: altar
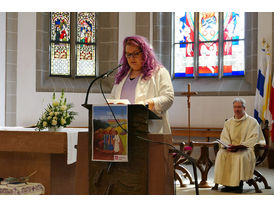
52,154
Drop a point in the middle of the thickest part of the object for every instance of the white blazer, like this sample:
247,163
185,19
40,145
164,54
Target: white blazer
158,88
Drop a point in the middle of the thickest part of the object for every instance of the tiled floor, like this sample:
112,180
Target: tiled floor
190,189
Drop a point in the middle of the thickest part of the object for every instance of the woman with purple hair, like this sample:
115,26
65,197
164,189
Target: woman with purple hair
142,79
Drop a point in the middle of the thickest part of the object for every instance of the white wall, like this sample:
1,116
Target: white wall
205,111
2,66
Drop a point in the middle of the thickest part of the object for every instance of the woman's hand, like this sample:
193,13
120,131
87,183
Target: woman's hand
150,104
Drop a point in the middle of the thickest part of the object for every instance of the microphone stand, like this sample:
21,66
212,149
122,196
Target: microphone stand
106,74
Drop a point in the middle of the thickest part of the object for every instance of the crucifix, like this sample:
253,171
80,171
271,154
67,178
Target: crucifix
189,94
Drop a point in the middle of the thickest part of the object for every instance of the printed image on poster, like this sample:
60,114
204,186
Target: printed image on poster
109,140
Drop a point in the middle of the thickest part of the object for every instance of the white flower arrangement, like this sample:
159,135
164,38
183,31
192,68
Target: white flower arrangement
56,114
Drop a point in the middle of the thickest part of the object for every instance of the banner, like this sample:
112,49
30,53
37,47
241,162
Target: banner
261,111
109,140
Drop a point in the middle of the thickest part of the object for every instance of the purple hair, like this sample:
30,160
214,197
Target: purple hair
150,62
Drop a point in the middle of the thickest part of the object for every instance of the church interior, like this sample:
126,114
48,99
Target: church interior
44,55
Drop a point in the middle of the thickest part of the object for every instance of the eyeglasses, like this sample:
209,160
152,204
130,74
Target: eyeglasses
134,55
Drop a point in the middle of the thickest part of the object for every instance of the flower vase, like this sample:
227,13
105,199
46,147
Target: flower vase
54,129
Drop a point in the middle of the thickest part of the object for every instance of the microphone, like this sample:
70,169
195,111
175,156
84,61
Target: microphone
106,74
111,71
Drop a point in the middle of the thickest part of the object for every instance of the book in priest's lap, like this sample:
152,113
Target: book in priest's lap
232,147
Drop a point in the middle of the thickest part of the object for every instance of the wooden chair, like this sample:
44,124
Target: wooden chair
261,152
203,163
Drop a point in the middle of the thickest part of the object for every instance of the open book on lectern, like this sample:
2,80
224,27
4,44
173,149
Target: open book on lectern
118,101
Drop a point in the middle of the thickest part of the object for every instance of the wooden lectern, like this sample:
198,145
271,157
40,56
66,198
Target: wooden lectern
149,169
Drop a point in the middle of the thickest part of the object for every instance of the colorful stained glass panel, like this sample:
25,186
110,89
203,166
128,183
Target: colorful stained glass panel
60,26
184,60
86,27
60,47
85,44
184,27
60,59
208,26
85,60
234,25
233,62
208,59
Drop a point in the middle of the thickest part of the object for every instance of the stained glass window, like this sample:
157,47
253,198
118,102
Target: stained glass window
201,38
233,49
85,44
184,47
208,59
208,46
60,44
208,26
82,44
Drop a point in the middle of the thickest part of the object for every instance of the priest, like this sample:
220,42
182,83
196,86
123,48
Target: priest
235,163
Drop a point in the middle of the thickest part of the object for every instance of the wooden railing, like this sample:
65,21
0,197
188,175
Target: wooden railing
195,132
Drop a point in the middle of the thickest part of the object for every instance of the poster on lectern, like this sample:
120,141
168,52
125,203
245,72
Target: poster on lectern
109,133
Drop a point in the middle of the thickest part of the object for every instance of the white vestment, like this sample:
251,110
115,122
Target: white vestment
231,167
158,88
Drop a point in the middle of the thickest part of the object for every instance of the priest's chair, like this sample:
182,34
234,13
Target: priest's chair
261,152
